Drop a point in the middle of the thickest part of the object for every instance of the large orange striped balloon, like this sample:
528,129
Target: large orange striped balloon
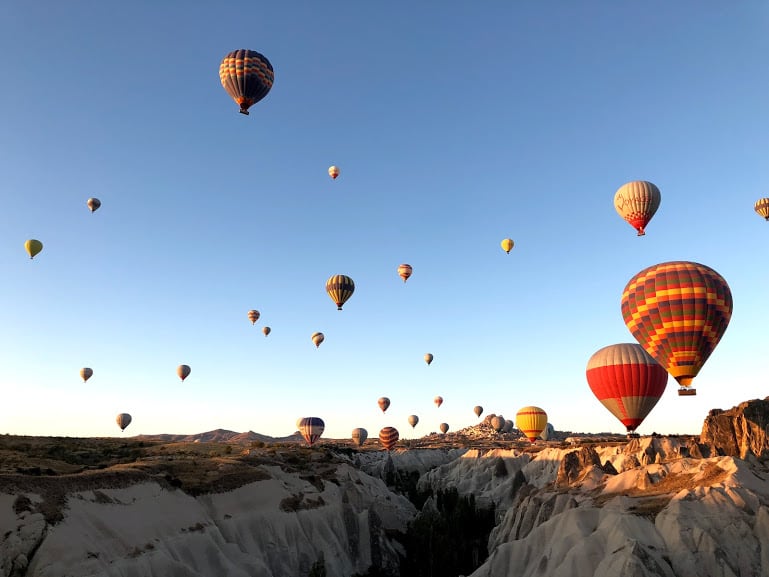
637,202
627,381
340,288
388,436
531,421
678,311
311,428
247,76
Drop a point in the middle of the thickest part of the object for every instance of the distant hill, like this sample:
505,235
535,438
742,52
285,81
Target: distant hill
221,436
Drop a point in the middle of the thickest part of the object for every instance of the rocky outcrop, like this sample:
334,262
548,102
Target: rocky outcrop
740,431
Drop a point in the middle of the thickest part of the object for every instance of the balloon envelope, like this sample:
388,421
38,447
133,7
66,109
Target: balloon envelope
678,311
531,421
413,420
444,427
627,381
428,358
311,428
388,436
762,207
247,76
359,436
93,204
253,315
478,410
318,338
637,202
340,288
383,403
497,423
404,271
548,433
507,245
123,420
183,371
86,373
438,401
333,172
33,247
266,331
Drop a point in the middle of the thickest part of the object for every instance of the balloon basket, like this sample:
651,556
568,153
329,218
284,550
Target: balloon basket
687,392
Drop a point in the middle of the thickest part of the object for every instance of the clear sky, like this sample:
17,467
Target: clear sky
455,125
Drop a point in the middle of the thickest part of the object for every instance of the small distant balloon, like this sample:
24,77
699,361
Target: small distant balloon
93,204
413,420
388,436
438,401
266,331
762,207
340,288
404,271
383,403
478,410
318,338
183,371
429,358
333,172
86,373
311,428
507,245
33,247
497,423
444,428
123,420
636,202
359,436
253,316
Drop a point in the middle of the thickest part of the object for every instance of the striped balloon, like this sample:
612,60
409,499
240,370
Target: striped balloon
388,436
86,373
383,403
340,288
678,311
404,271
531,421
637,202
762,207
627,381
359,436
253,316
311,428
247,76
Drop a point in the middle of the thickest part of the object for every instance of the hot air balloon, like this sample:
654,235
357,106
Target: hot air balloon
678,311
183,371
507,245
627,381
428,358
413,420
340,288
548,433
247,76
359,436
478,410
298,423
93,204
266,331
531,421
508,426
762,207
33,247
311,428
383,403
497,423
333,172
86,373
318,338
438,401
388,436
637,202
123,420
253,316
444,427
404,271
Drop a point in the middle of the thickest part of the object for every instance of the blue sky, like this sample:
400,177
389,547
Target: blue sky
454,126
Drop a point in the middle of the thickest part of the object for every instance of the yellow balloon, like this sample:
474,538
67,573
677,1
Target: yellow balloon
531,421
507,245
33,247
